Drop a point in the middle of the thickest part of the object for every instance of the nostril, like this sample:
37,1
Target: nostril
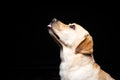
54,20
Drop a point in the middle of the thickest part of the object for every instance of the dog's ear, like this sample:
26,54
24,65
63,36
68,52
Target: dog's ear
86,46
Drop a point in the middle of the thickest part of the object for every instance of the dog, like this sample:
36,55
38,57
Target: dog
76,48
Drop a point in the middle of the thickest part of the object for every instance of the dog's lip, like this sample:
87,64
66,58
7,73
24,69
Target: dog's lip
50,28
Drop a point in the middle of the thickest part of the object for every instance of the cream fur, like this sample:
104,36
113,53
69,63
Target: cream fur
80,64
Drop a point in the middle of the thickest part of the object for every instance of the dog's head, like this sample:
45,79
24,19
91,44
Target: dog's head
72,36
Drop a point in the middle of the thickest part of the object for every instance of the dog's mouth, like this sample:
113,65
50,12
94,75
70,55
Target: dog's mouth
53,32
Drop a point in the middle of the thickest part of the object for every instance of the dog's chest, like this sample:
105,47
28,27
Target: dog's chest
71,67
82,73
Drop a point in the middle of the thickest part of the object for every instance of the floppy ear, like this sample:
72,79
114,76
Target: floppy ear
86,46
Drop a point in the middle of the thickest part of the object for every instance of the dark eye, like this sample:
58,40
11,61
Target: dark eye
72,26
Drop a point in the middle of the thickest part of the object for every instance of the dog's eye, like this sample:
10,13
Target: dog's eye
72,26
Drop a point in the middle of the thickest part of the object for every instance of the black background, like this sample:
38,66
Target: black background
37,55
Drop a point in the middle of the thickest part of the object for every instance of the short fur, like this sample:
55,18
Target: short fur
76,48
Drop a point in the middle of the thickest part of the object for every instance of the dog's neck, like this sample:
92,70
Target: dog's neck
68,54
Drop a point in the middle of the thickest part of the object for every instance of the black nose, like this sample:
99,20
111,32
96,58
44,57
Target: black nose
54,20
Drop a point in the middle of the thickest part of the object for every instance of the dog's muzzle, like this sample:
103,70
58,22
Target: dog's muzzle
50,27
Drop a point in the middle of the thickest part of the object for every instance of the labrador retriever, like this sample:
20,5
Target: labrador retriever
76,48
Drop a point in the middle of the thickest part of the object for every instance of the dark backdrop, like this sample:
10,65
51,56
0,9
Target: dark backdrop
37,55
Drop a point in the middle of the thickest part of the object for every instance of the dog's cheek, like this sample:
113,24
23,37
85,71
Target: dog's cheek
68,37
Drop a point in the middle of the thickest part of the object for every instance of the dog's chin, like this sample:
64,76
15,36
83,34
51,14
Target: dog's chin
52,33
56,37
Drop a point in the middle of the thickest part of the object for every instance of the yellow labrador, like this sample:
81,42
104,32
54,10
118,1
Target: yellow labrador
77,62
